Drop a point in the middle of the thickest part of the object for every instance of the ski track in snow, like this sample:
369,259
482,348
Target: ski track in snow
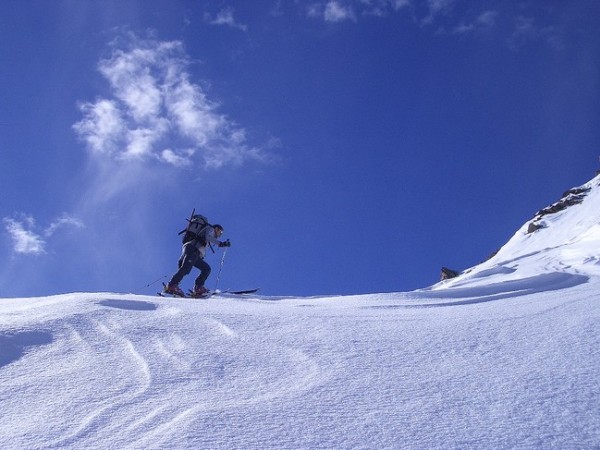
155,387
125,371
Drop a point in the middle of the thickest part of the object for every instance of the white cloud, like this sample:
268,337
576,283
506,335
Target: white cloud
484,21
177,159
63,221
335,12
225,17
344,10
527,30
154,106
451,17
332,11
142,97
383,8
191,112
25,237
25,241
401,4
439,6
140,142
102,126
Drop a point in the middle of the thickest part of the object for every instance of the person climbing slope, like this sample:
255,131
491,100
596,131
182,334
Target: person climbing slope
198,235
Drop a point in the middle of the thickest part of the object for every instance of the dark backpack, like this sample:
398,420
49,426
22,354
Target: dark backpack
197,224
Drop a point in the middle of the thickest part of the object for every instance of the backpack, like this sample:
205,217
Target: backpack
197,223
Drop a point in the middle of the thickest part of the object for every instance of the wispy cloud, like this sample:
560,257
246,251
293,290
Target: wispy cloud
383,8
434,10
485,20
155,112
225,17
518,24
440,6
332,11
335,12
25,241
65,220
26,236
351,10
526,30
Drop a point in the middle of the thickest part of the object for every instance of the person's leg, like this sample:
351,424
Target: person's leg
188,259
204,273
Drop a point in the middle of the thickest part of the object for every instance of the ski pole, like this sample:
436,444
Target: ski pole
221,268
155,281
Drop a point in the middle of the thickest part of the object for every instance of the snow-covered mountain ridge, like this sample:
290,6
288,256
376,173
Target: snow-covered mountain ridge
505,356
566,241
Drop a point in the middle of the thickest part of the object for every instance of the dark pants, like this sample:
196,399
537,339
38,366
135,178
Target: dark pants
190,257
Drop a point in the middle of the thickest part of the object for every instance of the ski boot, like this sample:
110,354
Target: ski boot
200,292
173,290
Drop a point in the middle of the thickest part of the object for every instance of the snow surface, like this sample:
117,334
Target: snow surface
504,356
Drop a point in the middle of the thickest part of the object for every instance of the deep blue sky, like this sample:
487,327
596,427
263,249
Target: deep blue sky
345,146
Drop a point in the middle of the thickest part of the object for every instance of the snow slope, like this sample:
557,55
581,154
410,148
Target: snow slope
567,243
504,356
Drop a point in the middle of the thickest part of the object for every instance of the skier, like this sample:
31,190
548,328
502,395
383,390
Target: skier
192,255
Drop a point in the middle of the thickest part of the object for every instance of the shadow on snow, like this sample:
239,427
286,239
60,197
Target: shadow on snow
14,346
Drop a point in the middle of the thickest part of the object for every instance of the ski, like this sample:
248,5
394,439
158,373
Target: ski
206,295
227,291
188,295
167,295
209,293
247,291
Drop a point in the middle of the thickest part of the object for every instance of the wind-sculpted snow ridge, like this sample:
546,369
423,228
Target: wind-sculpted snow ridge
367,371
126,370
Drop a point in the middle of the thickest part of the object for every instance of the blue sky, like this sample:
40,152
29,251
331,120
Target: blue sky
346,146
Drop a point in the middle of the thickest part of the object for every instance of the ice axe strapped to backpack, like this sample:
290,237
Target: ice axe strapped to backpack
197,223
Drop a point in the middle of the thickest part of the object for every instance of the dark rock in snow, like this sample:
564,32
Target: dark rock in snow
448,273
571,197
